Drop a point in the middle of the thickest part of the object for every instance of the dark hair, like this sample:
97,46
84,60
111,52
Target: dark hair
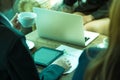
106,65
6,5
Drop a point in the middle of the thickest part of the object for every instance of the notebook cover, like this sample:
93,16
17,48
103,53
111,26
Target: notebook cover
45,56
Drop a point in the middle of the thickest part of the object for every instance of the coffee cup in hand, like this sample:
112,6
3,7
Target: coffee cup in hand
27,19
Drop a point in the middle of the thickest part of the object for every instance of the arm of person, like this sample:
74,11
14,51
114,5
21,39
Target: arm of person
102,12
20,63
87,18
101,26
52,72
56,69
84,60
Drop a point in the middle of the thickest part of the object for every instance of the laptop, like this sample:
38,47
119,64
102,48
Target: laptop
62,26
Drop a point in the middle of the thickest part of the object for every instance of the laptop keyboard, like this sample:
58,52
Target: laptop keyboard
86,38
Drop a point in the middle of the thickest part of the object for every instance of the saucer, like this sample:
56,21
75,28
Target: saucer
30,44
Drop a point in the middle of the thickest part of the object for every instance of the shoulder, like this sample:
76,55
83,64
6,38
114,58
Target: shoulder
93,49
6,28
91,52
8,35
84,61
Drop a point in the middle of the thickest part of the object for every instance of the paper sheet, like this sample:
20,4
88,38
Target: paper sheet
72,54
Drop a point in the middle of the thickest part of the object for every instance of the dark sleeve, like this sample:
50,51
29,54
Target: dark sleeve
69,2
102,12
52,72
83,62
20,63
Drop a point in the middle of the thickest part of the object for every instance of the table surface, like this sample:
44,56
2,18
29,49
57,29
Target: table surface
40,42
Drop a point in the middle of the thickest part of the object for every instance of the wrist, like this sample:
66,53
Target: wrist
90,17
87,18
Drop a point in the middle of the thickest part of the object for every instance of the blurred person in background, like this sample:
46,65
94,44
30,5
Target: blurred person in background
94,12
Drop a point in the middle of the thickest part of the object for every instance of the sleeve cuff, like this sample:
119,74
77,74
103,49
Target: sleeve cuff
52,72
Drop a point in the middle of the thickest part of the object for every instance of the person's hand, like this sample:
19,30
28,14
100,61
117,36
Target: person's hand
87,18
15,22
63,62
100,26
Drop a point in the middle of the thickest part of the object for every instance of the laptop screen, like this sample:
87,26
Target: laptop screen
60,26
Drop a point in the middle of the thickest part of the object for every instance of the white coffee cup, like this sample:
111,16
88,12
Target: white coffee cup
27,19
104,44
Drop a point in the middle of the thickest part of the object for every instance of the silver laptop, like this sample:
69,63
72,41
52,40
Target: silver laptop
62,26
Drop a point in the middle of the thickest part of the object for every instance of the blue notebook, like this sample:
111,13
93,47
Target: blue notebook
45,56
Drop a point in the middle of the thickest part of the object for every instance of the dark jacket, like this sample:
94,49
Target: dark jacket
16,62
84,61
97,8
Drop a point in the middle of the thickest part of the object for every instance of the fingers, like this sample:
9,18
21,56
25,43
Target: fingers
87,18
17,25
14,19
68,62
15,22
63,62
